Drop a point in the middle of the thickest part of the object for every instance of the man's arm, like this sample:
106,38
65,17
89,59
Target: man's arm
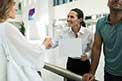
95,56
96,51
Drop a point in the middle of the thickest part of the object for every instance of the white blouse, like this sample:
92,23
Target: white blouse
13,43
86,37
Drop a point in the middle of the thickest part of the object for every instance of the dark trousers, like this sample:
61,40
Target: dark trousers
77,66
109,77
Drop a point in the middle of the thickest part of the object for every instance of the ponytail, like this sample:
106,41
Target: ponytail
83,24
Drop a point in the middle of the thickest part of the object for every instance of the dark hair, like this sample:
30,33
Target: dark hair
4,9
79,15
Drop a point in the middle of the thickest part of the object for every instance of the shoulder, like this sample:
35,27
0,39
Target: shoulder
102,20
88,33
6,26
87,30
10,27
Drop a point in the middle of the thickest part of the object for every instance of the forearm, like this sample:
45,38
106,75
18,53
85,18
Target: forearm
94,60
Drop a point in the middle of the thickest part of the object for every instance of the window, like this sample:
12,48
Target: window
58,2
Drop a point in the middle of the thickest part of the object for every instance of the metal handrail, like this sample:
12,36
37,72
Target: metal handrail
62,72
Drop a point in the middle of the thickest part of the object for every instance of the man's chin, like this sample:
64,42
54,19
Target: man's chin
117,9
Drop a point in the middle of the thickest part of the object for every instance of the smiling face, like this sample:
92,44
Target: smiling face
115,5
73,20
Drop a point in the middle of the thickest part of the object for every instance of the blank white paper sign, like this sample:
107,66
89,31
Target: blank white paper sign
70,47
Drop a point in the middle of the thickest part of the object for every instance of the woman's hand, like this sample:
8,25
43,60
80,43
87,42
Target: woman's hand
48,42
84,57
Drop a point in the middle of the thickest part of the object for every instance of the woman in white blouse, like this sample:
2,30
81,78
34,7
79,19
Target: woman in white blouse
78,65
19,60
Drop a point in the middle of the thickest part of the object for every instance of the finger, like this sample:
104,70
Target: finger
92,78
86,77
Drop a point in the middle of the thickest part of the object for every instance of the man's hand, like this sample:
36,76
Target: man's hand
88,77
48,42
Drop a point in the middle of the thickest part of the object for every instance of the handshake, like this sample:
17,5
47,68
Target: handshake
47,42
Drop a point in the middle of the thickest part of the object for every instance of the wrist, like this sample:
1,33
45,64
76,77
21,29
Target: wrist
92,72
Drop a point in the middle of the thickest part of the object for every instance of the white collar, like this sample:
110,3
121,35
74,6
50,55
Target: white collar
81,31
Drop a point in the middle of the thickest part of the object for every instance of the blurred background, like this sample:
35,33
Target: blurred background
37,19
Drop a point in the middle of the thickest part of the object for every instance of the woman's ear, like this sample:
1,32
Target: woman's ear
80,20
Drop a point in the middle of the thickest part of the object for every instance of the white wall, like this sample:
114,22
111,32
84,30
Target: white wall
89,7
36,28
46,13
50,17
